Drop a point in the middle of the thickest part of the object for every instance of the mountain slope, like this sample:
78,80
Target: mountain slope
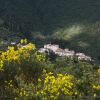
75,22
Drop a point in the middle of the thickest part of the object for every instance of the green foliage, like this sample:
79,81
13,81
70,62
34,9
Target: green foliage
27,74
71,24
74,23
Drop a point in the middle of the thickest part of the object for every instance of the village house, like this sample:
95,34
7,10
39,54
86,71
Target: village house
82,56
60,52
63,52
51,47
66,49
13,43
42,50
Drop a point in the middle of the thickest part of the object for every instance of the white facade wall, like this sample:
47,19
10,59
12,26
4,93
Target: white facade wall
65,52
52,47
66,49
85,58
80,54
42,50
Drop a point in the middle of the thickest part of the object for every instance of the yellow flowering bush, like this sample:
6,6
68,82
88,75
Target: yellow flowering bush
23,52
26,74
97,87
54,87
48,87
96,84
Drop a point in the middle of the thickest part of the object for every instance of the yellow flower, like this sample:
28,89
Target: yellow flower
21,94
1,65
15,98
22,41
94,95
25,41
39,80
99,70
97,87
24,92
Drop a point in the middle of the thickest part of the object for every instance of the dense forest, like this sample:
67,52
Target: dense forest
70,23
27,74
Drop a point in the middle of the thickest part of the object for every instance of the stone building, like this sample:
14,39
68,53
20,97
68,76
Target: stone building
63,52
51,47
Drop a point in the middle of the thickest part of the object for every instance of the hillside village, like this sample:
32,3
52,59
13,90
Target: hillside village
63,52
55,49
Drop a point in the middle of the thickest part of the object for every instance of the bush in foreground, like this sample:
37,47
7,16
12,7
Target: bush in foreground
26,74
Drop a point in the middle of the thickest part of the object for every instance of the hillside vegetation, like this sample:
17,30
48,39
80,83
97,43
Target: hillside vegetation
71,23
26,74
